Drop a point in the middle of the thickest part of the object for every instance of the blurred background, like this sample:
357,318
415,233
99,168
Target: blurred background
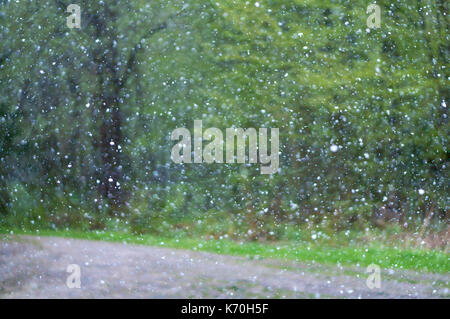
86,116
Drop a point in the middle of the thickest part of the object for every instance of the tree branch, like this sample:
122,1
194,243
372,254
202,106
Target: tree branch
131,63
138,47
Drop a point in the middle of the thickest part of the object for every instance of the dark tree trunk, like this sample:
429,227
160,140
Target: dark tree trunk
109,117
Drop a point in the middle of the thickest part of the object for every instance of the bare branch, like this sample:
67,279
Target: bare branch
138,47
131,63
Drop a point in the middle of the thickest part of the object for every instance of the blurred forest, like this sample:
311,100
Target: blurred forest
86,115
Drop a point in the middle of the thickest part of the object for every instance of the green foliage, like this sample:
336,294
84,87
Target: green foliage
310,68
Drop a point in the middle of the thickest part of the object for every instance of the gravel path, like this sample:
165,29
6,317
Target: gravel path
35,267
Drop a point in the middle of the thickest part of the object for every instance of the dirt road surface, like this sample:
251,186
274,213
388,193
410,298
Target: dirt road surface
36,267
